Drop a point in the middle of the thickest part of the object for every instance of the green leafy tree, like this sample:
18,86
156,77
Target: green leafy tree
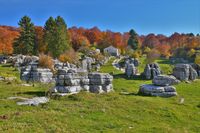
25,43
56,36
133,40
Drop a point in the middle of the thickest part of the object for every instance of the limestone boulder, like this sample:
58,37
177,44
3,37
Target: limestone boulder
193,73
130,70
164,80
153,90
151,71
65,89
197,68
68,82
34,74
100,78
185,72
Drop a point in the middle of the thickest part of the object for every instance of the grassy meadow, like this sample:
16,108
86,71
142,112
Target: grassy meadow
119,111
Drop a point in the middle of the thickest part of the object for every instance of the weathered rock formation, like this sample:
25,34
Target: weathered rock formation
22,60
153,90
197,68
164,80
34,74
151,71
162,86
184,72
130,70
73,82
87,63
131,65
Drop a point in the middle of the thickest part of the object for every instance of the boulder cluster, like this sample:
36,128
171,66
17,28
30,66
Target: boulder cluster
69,81
151,71
185,72
162,86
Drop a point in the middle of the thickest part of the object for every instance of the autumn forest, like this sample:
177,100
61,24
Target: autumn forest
178,44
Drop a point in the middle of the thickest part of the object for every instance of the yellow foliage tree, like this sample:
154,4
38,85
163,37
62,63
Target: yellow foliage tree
197,59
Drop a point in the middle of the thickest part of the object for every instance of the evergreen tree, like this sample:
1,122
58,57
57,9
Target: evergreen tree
56,36
133,40
49,34
25,43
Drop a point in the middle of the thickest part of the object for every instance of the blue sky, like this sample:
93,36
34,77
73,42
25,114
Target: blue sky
145,16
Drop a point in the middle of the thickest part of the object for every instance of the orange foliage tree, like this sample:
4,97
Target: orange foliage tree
7,36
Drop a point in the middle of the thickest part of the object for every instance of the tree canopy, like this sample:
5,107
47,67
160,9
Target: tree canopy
133,40
56,36
25,43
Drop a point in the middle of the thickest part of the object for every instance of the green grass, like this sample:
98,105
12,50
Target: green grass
112,112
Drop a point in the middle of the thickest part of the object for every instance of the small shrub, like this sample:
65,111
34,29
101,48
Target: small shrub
98,57
69,56
197,59
136,54
74,98
146,50
45,61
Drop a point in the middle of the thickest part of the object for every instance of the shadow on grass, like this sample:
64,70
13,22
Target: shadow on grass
129,94
34,93
164,62
136,77
7,65
142,95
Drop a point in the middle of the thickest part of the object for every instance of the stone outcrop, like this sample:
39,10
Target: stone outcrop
87,63
130,70
162,86
34,74
151,71
153,90
185,72
164,80
59,65
22,60
132,61
131,65
73,82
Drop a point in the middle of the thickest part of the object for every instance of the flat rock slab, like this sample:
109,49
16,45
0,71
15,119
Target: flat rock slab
164,80
153,90
30,102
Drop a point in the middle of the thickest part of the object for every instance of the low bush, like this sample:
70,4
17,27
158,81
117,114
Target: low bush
69,56
45,61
